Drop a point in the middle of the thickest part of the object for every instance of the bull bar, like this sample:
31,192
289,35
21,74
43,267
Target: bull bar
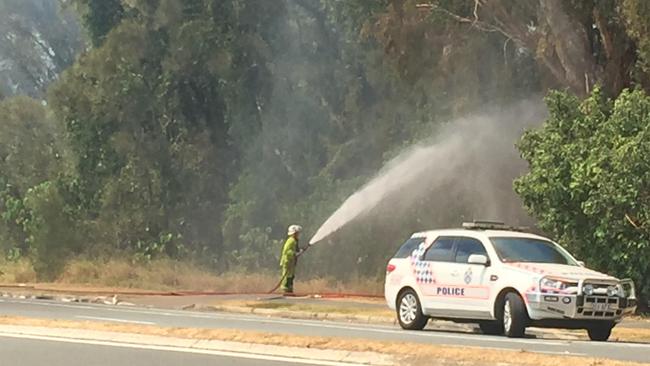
576,304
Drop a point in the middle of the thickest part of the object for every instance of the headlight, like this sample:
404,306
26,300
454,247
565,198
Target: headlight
553,284
588,289
612,291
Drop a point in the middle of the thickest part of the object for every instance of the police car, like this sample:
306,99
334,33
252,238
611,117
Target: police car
505,280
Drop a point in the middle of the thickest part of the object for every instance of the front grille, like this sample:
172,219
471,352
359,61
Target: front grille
601,300
599,314
599,307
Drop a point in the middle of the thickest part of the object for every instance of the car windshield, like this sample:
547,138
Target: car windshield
511,249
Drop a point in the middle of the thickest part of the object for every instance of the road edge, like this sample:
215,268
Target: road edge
295,355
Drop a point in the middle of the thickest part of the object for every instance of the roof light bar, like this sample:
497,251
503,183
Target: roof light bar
491,225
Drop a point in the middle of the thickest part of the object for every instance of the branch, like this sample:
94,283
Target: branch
476,5
514,26
629,219
475,23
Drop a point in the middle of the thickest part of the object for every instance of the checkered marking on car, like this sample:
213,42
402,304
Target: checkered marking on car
422,270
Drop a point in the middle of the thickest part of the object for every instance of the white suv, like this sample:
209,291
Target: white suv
504,280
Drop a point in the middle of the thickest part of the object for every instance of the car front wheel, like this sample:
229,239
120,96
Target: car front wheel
515,316
409,311
600,333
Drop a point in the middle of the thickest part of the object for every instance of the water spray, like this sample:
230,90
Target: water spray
472,157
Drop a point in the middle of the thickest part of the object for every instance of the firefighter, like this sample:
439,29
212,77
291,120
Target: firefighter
290,252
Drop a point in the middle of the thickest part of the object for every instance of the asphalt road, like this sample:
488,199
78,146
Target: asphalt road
173,318
29,352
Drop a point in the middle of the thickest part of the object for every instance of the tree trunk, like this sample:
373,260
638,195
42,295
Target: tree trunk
569,55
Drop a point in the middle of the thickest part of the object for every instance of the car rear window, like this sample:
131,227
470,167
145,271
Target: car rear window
442,250
407,248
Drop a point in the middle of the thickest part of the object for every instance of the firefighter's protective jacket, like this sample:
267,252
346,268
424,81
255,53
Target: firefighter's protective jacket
289,251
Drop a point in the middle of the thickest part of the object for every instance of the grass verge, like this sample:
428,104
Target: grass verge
620,334
20,271
170,275
636,335
421,352
311,308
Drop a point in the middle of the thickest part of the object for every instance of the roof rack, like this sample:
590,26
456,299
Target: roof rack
492,225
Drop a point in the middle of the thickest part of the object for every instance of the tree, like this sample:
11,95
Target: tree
577,44
35,219
203,127
147,114
32,149
203,119
589,180
52,231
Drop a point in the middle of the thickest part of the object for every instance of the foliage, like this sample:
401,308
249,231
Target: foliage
636,13
100,16
589,180
31,145
32,152
145,116
52,234
200,129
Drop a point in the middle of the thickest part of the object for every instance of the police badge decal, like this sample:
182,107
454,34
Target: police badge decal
468,276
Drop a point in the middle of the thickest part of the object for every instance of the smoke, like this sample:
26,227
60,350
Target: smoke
466,170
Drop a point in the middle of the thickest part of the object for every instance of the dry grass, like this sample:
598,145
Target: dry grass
20,271
156,275
638,335
371,286
422,352
169,275
619,334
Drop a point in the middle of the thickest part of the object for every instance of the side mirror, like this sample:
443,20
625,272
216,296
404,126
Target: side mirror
581,263
478,259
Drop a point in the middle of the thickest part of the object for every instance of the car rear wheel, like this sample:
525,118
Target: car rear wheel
600,333
514,316
492,328
409,311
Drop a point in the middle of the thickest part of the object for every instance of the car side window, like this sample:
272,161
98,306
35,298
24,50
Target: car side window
466,247
441,250
407,248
